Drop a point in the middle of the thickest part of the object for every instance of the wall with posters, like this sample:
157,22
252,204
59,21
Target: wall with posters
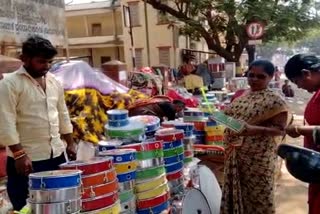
22,18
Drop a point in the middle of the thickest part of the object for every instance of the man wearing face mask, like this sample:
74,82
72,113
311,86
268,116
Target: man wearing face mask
34,120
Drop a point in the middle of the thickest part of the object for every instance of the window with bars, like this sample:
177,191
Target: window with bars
96,29
164,56
139,57
134,13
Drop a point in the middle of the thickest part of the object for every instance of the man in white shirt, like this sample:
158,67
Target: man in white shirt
34,119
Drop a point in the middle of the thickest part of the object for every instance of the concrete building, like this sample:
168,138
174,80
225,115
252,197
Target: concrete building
98,32
95,31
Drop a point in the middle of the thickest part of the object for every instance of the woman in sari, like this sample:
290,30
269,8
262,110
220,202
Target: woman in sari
304,71
251,157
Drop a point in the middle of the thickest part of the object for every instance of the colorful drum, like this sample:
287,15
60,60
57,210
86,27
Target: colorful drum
95,165
173,144
157,209
160,190
100,190
126,196
125,177
145,146
100,202
117,114
150,173
199,126
152,123
170,134
150,184
120,155
99,178
175,175
115,208
55,179
193,201
174,167
186,127
174,159
118,123
126,186
173,152
153,202
108,145
132,130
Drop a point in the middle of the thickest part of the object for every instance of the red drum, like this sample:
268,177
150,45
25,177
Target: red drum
100,202
145,146
95,165
169,135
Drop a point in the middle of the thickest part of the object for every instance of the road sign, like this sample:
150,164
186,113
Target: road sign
255,42
255,30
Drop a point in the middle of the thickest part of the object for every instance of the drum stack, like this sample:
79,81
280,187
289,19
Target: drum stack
55,192
99,185
152,189
173,157
188,140
214,134
123,128
126,165
151,123
199,120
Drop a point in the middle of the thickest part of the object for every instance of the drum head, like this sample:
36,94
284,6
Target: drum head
194,202
209,186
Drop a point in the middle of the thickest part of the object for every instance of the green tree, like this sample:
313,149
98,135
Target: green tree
310,43
222,23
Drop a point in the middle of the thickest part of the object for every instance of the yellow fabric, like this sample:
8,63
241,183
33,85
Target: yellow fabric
88,109
193,81
31,116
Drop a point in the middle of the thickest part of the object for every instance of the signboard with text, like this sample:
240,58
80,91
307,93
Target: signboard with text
22,18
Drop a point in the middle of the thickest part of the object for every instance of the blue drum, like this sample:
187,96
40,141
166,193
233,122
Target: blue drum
55,179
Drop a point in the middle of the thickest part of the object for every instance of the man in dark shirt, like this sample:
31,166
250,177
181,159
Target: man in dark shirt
164,110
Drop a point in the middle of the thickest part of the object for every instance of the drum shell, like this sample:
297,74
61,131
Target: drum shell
99,202
57,208
55,195
150,163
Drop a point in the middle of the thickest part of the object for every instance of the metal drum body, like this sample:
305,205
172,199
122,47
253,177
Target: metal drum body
129,207
108,145
193,201
55,195
54,179
69,207
203,179
117,114
152,123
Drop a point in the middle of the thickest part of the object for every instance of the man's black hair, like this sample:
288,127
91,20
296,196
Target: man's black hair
299,62
179,102
36,46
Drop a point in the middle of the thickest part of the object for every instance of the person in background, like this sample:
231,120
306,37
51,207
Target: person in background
34,119
193,83
250,157
287,89
304,71
277,77
165,110
207,76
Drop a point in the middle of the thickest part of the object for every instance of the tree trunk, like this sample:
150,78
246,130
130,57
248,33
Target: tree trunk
251,50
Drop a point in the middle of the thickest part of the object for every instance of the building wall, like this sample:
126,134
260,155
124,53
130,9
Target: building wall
160,36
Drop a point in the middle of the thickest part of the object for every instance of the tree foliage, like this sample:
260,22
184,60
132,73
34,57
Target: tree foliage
310,43
222,23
